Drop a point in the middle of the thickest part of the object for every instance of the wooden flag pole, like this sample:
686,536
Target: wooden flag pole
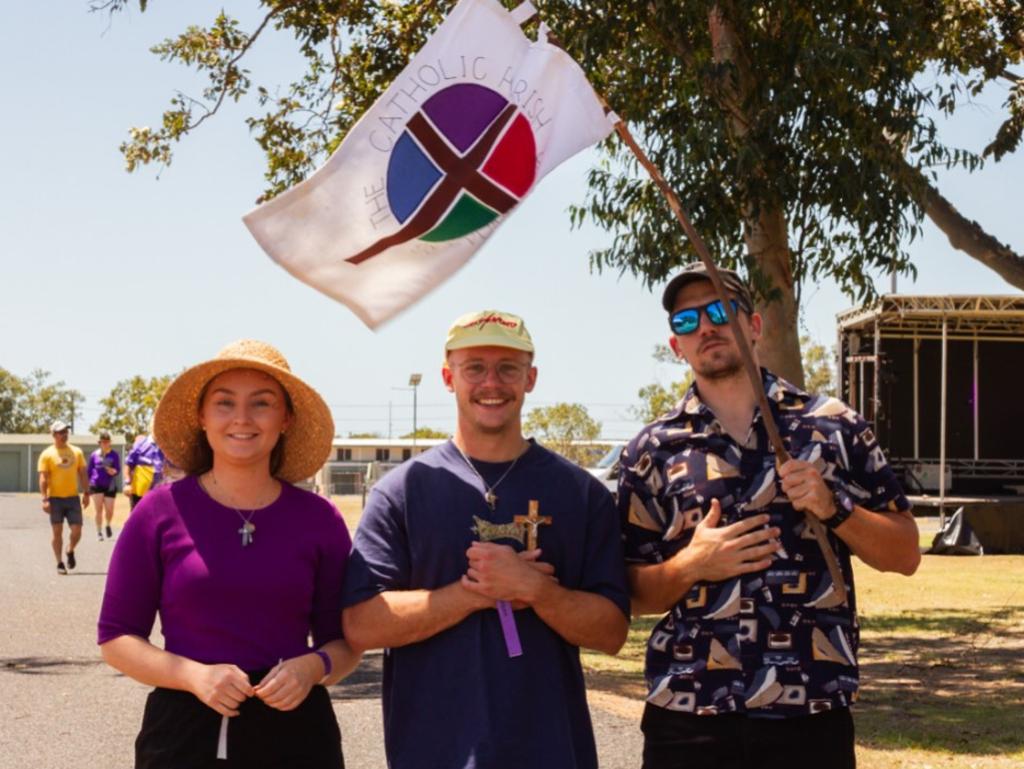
749,365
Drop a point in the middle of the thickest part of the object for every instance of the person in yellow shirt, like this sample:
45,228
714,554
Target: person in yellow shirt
61,474
143,467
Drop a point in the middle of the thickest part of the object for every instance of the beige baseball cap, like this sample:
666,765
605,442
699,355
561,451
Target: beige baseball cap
489,328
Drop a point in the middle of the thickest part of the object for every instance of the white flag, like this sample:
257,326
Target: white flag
474,121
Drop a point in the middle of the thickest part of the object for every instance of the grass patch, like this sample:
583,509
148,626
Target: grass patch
622,674
942,664
351,507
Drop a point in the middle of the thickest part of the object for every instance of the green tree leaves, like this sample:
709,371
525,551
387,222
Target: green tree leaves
560,426
12,403
656,399
427,432
800,136
129,407
819,367
31,404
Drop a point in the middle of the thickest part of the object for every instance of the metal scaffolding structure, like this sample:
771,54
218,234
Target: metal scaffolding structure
975,318
997,317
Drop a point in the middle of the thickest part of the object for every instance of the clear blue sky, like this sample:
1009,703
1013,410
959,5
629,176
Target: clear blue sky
106,275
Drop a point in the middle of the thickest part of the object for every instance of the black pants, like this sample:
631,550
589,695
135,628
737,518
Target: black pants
180,732
674,740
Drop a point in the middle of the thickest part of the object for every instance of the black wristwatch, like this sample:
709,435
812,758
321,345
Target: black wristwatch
844,509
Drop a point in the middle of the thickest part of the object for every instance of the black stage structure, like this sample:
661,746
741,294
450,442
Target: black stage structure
941,380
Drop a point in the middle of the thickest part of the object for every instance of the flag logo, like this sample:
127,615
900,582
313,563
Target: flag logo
428,174
465,158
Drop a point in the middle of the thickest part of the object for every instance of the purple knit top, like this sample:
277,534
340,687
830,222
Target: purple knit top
180,554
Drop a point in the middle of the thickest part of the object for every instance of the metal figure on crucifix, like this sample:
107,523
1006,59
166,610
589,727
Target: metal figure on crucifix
531,521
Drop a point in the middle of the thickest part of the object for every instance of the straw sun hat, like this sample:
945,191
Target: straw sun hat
308,438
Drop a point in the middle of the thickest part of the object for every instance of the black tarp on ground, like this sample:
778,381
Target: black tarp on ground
956,538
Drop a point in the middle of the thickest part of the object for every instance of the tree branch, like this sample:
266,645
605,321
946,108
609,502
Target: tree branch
226,85
965,234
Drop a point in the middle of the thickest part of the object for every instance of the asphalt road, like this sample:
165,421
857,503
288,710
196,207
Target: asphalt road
61,707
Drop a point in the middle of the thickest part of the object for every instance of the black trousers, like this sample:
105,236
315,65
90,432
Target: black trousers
674,740
180,732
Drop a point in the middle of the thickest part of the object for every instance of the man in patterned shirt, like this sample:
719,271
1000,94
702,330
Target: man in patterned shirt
754,664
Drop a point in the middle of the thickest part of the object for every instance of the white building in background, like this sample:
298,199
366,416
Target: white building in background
355,464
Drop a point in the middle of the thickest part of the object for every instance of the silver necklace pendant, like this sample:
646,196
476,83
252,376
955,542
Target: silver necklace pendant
488,491
248,527
246,531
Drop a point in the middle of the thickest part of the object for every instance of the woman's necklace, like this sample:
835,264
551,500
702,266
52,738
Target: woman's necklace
248,527
489,496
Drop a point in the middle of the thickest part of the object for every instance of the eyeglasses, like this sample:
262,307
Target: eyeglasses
687,320
475,371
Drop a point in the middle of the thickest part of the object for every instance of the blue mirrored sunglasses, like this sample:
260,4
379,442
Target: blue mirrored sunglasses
687,320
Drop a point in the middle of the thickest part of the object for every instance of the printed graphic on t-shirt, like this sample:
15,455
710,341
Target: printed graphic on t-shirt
495,532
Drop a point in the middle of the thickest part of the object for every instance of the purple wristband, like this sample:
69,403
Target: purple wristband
508,628
326,659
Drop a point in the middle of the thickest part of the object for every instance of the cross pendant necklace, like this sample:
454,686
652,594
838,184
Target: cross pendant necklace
489,496
248,527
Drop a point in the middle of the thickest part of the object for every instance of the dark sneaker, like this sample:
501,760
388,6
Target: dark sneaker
61,569
71,559
110,533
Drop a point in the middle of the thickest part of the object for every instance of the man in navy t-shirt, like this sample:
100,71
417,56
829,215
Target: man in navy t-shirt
482,566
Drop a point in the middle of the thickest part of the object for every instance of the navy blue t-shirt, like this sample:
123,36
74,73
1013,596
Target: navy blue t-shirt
456,700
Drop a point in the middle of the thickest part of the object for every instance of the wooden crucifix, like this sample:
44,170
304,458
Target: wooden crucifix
531,522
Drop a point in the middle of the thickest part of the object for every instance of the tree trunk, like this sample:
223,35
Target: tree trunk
766,237
765,231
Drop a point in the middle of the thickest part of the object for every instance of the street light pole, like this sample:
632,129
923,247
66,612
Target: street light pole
414,382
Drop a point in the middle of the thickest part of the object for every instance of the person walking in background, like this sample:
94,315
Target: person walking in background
143,468
243,568
104,467
61,475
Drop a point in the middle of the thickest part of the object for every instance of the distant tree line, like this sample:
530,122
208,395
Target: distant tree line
32,403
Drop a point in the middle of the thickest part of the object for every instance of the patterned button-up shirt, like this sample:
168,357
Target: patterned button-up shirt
774,643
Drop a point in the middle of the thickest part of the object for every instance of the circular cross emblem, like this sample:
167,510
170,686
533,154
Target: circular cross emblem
464,159
465,136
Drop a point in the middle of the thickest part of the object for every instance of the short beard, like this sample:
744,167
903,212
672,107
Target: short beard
725,367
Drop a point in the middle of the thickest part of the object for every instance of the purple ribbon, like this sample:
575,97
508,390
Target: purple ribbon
508,627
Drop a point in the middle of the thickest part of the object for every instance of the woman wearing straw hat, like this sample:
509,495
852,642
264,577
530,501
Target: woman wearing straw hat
242,566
